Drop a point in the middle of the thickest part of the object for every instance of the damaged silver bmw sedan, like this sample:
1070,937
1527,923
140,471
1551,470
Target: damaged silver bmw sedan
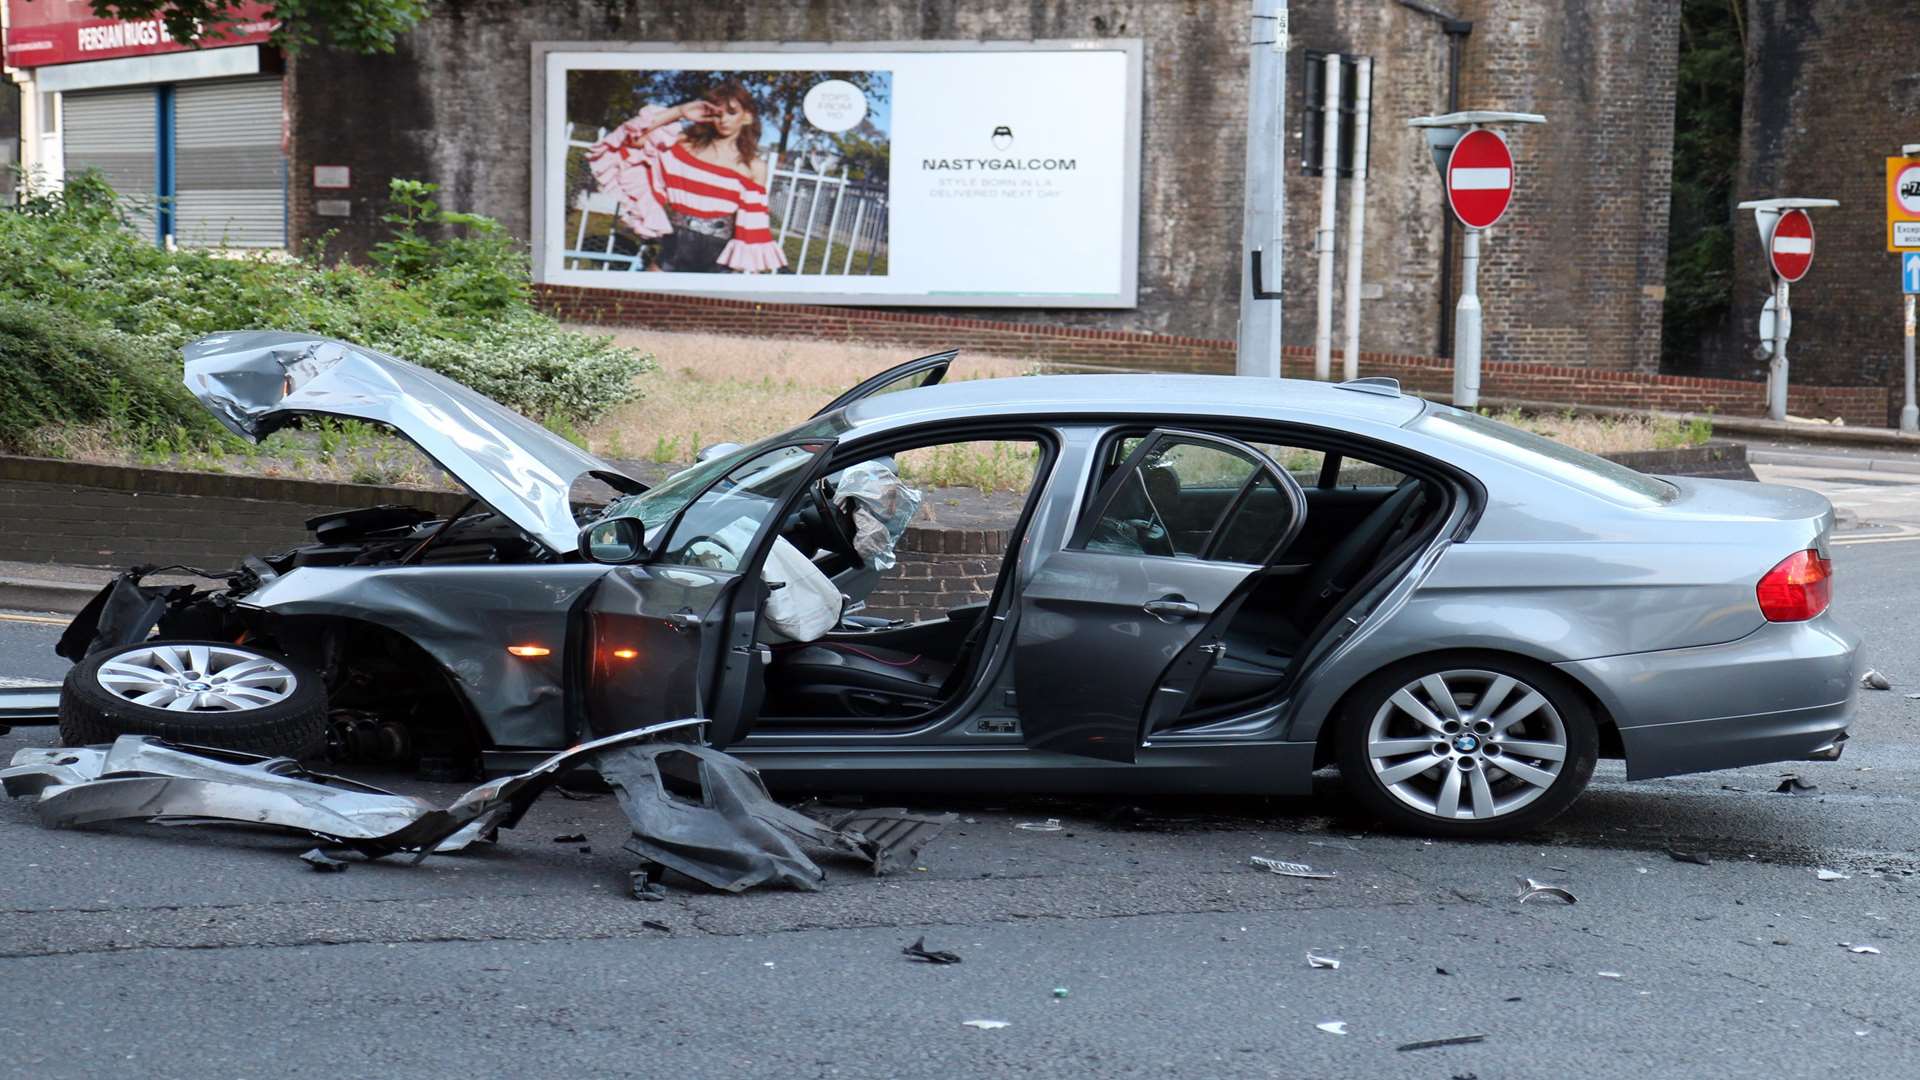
1212,584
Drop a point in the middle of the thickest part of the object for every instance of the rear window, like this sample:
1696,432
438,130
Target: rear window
1591,472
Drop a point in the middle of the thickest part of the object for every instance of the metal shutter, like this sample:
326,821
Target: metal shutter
116,132
229,175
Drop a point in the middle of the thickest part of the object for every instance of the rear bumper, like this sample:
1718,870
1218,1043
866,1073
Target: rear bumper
1785,692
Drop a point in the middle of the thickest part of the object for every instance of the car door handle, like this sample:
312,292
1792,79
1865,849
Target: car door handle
1169,608
683,620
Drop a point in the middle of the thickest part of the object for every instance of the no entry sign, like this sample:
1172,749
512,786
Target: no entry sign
1480,178
1791,250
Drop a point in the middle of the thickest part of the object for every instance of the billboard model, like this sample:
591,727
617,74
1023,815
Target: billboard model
953,174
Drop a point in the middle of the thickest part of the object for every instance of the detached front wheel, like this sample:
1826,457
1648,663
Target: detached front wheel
208,693
1467,746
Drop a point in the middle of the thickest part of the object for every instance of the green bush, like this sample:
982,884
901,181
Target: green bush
62,372
458,305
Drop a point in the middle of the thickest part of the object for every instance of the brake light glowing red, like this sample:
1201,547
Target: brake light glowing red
1797,589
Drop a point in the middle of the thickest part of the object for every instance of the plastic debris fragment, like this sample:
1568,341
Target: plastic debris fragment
1831,875
1289,869
919,951
1793,785
1699,858
1061,992
1538,890
984,1025
1052,824
1866,950
571,838
1873,680
1333,1027
1610,974
1328,962
324,863
1454,1040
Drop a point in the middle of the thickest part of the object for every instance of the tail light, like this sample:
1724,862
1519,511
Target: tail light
1797,589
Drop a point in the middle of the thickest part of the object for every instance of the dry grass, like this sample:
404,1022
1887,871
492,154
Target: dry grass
714,388
1611,434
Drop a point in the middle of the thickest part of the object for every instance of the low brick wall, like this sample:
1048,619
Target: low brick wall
1430,376
938,570
114,516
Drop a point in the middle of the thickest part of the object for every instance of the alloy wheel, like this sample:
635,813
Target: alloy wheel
197,678
1467,744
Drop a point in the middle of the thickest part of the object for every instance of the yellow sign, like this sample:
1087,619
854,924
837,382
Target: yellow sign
1903,204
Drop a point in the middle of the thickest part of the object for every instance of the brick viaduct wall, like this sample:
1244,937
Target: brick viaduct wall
1832,89
1430,376
1573,277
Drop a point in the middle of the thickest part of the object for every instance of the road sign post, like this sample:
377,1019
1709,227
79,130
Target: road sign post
1786,238
1477,168
1264,222
1903,236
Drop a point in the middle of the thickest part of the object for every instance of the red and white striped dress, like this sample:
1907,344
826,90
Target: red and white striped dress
647,165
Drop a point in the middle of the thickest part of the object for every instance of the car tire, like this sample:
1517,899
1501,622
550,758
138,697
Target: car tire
1511,742
273,706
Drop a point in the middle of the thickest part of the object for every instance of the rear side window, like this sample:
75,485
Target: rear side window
1590,472
1190,498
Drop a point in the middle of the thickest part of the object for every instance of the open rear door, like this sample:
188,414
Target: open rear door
1163,548
926,371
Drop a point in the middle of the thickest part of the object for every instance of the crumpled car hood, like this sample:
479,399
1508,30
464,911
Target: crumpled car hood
257,381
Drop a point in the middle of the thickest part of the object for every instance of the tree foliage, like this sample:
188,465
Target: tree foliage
1710,88
362,26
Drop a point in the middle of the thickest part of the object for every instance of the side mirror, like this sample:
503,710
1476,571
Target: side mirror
614,541
716,450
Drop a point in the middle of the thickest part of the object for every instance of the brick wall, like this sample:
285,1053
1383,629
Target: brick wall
1573,276
916,333
939,570
1832,90
106,515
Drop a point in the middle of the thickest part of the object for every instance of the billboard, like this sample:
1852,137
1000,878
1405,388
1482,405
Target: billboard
65,31
956,174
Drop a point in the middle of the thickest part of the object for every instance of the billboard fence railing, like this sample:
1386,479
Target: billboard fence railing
825,223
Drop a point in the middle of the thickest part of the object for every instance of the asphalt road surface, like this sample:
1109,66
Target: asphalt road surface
1135,941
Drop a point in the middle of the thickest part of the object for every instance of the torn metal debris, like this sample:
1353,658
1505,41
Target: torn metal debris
140,777
1793,785
1327,962
1429,1044
707,815
1538,890
692,809
1333,1027
1290,869
323,863
1699,858
919,951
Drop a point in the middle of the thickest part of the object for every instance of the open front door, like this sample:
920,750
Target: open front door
674,637
1163,547
926,371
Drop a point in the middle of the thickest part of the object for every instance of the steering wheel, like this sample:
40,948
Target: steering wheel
836,521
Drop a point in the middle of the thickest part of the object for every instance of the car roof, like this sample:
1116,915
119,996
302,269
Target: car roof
1145,394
